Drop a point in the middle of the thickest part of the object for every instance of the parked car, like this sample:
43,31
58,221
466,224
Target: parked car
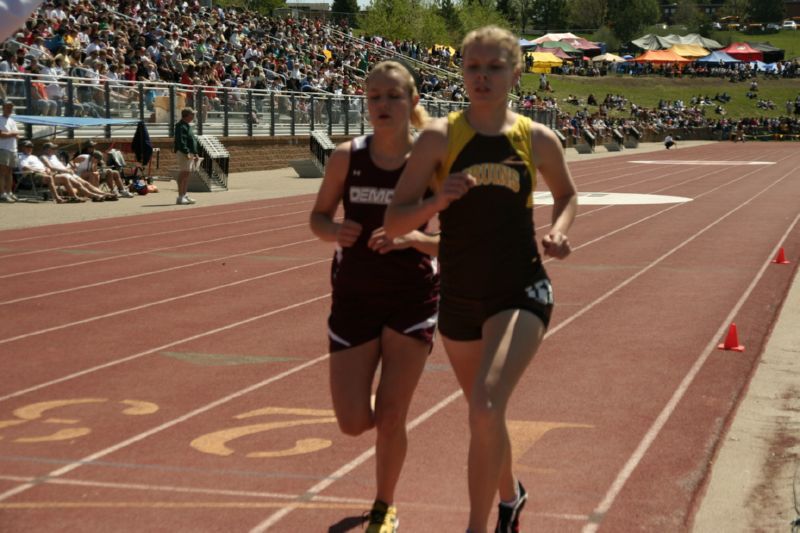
789,25
729,23
773,26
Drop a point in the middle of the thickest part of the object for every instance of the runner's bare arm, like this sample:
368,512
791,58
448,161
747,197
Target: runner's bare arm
408,211
426,243
549,157
329,196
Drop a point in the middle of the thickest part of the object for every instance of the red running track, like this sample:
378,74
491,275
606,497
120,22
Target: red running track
178,381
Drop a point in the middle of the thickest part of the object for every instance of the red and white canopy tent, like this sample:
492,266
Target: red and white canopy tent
743,52
588,47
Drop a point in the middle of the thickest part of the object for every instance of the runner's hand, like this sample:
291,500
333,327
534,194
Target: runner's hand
454,187
378,242
556,244
347,233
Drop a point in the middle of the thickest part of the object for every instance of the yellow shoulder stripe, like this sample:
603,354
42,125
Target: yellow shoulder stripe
459,133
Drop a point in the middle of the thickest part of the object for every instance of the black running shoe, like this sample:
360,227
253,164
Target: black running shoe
507,516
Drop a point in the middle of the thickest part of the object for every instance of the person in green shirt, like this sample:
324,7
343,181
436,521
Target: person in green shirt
186,149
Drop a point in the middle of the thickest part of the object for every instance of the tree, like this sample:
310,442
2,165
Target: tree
505,8
627,17
345,6
447,10
687,13
524,10
735,8
587,14
766,10
605,35
405,20
264,6
475,15
550,14
390,18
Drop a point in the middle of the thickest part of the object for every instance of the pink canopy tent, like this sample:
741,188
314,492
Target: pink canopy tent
743,52
582,44
558,52
554,37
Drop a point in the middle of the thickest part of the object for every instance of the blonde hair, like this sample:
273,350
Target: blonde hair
501,37
419,117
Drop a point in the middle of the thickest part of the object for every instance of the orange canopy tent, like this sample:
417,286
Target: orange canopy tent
660,56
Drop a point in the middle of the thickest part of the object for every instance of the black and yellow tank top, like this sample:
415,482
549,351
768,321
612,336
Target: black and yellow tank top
488,247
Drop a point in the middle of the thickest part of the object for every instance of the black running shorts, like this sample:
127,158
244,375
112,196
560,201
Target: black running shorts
461,319
354,321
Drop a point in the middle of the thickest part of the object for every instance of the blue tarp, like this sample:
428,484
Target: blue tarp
73,122
718,57
763,67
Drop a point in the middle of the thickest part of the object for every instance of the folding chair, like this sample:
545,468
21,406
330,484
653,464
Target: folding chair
24,186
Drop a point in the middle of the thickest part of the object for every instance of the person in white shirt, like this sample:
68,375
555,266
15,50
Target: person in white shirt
91,168
669,142
83,187
57,13
43,176
8,153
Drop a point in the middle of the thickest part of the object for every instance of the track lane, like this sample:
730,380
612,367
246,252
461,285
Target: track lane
560,283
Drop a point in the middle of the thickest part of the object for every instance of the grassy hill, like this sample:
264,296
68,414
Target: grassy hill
648,90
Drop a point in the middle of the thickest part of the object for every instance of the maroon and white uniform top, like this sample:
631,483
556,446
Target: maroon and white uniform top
360,272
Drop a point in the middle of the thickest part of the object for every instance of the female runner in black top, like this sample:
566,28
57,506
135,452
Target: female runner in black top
496,296
385,291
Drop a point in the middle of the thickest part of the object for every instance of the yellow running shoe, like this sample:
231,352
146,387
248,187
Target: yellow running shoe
383,518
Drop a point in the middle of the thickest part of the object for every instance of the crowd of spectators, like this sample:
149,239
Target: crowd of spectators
615,112
177,41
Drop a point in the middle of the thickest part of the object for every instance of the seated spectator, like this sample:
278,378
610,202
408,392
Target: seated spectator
92,168
44,105
42,176
82,187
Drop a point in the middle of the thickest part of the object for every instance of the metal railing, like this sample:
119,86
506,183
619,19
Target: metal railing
219,111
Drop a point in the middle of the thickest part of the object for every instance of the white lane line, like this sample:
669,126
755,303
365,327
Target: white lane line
158,302
160,271
149,236
662,418
702,163
171,423
149,351
149,221
354,503
152,250
147,487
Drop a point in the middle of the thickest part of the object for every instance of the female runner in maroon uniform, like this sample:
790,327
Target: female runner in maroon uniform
496,296
385,292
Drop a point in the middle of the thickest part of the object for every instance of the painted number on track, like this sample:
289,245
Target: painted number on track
216,443
41,413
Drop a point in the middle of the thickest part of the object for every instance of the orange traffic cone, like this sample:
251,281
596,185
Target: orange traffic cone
781,258
732,340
